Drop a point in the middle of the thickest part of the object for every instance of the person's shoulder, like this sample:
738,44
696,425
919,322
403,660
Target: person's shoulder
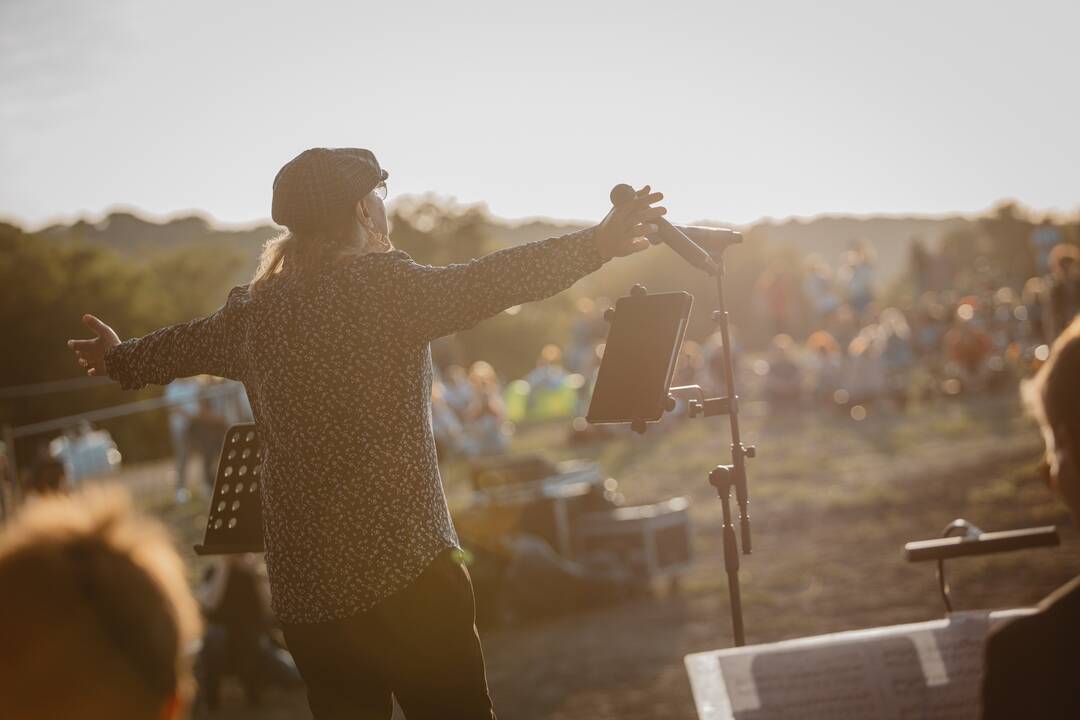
1057,620
372,262
1062,607
392,268
1031,661
239,295
1007,639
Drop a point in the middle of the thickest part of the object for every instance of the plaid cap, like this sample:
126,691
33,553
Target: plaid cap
321,184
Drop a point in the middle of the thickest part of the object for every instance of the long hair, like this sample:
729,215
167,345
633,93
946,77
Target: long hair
306,253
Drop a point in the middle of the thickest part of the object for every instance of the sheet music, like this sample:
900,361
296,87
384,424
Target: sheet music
924,671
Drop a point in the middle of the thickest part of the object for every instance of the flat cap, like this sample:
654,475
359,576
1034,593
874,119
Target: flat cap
321,185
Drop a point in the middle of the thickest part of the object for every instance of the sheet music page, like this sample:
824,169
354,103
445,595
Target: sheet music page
929,671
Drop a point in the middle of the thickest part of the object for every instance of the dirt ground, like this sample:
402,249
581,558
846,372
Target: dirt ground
832,502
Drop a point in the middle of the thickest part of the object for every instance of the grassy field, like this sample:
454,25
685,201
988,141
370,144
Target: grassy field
832,503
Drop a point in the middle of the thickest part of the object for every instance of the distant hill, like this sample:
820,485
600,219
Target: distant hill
828,236
134,236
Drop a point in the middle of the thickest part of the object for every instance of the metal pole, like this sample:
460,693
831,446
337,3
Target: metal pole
725,478
721,479
739,453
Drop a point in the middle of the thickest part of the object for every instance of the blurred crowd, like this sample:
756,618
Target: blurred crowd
939,337
474,412
839,339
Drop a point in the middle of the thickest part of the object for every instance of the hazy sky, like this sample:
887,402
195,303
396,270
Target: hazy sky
736,110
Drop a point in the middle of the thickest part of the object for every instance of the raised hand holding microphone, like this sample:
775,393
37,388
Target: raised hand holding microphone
624,230
674,238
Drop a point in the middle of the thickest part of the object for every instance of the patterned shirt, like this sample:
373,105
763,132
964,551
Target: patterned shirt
338,372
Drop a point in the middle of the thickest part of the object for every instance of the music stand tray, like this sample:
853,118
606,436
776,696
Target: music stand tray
234,522
639,358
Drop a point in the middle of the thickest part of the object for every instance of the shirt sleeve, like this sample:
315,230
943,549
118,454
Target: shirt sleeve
429,302
207,345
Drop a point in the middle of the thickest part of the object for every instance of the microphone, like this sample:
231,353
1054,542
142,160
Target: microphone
670,235
976,542
712,240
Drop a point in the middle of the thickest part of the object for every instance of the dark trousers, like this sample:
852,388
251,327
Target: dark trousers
419,645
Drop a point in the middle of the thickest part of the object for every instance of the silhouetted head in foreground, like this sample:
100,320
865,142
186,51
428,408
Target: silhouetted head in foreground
331,202
1053,397
96,618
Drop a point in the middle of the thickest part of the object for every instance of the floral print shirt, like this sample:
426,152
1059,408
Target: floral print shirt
338,372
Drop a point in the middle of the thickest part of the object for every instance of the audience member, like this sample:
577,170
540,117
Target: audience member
843,325
85,452
1034,316
1044,238
690,367
921,264
47,473
897,356
588,329
549,373
206,433
184,394
715,361
485,419
1031,662
457,390
783,382
819,290
857,274
95,614
1063,290
774,289
235,599
865,374
968,348
826,365
444,423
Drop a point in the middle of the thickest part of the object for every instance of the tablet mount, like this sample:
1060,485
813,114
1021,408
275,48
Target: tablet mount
725,478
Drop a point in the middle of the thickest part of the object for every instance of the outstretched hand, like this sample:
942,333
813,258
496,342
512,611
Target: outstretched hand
91,353
623,231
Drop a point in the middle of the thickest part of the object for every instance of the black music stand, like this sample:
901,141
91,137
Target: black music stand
634,379
234,523
961,538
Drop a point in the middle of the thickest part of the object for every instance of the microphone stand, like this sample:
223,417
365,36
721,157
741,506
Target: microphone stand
726,478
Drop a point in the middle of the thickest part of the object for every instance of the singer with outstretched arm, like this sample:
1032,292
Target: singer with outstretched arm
330,339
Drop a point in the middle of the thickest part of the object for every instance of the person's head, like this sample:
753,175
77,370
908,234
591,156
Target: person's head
331,203
823,343
1064,258
456,375
782,345
816,265
894,323
550,355
1053,397
482,375
1034,289
96,616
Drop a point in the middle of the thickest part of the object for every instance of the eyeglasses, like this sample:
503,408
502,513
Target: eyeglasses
380,190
